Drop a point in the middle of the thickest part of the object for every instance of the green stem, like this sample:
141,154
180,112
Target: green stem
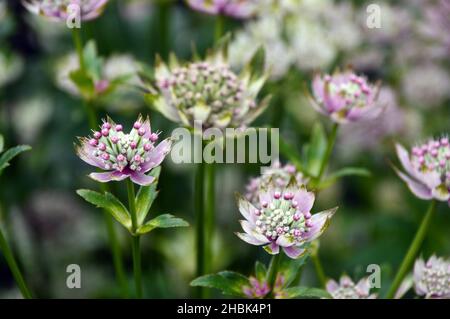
76,34
319,270
11,261
200,221
164,27
273,271
329,150
412,251
135,239
210,203
219,28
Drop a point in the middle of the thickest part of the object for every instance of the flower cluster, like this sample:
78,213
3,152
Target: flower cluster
279,174
432,278
283,218
123,155
427,169
347,289
259,289
345,97
59,10
234,8
208,92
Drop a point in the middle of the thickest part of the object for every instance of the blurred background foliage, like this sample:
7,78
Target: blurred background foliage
50,227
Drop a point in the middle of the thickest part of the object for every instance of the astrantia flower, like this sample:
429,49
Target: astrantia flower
432,278
427,169
280,175
233,8
347,289
345,97
207,91
59,10
258,289
283,218
123,155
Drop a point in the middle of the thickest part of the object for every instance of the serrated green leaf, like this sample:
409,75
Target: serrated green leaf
347,171
162,221
305,292
108,202
9,154
316,149
260,271
146,195
228,282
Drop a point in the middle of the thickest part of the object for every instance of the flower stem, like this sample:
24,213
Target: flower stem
11,261
76,34
164,9
412,251
135,239
210,203
273,271
200,221
219,28
319,270
329,150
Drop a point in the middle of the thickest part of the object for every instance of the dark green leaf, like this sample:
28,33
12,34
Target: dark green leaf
316,149
228,282
8,155
162,221
108,202
289,268
305,292
146,195
347,171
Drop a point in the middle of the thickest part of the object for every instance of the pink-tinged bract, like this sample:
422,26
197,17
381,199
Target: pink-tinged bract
345,97
239,9
59,10
123,155
347,289
432,278
282,218
427,169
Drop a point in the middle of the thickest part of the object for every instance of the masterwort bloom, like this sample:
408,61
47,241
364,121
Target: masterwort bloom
432,278
208,92
258,289
347,289
123,155
60,10
283,218
345,97
427,169
279,174
240,9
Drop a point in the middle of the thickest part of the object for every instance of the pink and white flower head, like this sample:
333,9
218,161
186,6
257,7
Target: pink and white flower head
347,289
60,10
279,174
427,169
432,278
123,155
282,218
345,97
239,9
257,289
207,91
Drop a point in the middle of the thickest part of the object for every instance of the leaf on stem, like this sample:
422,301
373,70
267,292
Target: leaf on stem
8,155
228,282
110,203
347,171
315,150
305,292
146,195
162,221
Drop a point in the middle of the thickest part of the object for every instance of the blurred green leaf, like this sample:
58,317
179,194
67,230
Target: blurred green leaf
92,61
2,143
228,282
108,202
291,154
146,195
257,64
347,171
83,82
305,292
260,271
315,150
8,155
162,221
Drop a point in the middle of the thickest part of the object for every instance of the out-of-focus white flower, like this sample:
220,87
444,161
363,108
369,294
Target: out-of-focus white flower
432,278
347,289
11,66
426,85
